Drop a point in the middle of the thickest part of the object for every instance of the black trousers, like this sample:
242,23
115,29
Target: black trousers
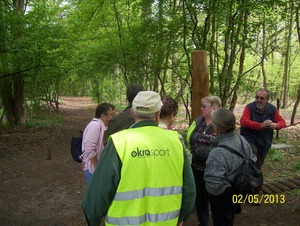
260,157
222,207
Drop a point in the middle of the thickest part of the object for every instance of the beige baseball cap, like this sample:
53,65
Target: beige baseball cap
147,102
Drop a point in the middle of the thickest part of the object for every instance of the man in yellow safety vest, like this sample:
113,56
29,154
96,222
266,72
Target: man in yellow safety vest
143,176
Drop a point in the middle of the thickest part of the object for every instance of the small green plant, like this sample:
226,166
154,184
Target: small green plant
5,125
43,119
32,124
275,155
297,165
294,192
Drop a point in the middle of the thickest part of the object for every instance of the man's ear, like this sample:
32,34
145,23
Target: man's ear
157,116
102,116
172,115
131,112
217,131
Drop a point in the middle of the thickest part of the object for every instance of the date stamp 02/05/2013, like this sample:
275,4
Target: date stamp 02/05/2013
259,199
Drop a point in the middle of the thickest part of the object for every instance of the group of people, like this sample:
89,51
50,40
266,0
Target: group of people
145,173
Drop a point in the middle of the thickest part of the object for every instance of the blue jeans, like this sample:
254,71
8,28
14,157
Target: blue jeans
202,201
87,175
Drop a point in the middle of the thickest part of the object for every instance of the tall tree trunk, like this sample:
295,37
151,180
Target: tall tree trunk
247,96
19,85
241,66
297,22
124,64
296,105
174,78
160,52
19,95
287,58
12,92
230,48
8,101
298,91
263,56
212,55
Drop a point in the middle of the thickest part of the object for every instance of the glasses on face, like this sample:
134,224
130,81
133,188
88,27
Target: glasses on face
258,97
205,106
112,114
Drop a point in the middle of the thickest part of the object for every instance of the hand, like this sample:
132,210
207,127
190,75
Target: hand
180,223
266,123
273,126
94,161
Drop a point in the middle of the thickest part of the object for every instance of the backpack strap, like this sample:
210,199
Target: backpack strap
81,133
234,152
98,122
231,150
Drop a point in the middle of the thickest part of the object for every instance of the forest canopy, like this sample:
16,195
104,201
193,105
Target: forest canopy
95,48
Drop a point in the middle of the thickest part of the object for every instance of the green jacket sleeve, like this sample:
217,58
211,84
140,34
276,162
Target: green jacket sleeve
103,185
189,190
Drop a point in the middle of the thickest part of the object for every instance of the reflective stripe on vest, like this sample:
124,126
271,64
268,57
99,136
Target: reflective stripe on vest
150,189
138,194
153,218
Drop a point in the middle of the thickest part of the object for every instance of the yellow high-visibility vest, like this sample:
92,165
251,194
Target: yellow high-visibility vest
150,188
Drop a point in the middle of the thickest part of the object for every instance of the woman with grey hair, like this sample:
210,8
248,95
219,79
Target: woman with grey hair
199,137
223,165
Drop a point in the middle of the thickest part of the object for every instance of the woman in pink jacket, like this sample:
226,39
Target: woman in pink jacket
92,141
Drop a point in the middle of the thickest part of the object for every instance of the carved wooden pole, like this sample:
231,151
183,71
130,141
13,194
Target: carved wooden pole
200,79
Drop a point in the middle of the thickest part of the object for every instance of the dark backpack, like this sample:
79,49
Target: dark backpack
249,178
76,151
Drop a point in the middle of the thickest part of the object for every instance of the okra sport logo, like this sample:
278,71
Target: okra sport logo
150,153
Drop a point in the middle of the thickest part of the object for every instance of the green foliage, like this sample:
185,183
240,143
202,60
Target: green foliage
275,155
92,48
41,118
119,106
6,125
297,166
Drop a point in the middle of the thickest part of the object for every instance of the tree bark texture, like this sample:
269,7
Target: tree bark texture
242,60
200,81
296,105
287,58
13,90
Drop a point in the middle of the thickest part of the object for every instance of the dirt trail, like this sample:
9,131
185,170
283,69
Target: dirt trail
37,191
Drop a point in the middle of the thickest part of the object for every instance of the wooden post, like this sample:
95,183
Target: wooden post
200,79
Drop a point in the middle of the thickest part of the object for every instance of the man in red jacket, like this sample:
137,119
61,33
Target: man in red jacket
258,122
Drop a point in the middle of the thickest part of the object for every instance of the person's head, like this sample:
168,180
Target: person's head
132,91
146,106
223,120
105,112
169,108
262,97
209,104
